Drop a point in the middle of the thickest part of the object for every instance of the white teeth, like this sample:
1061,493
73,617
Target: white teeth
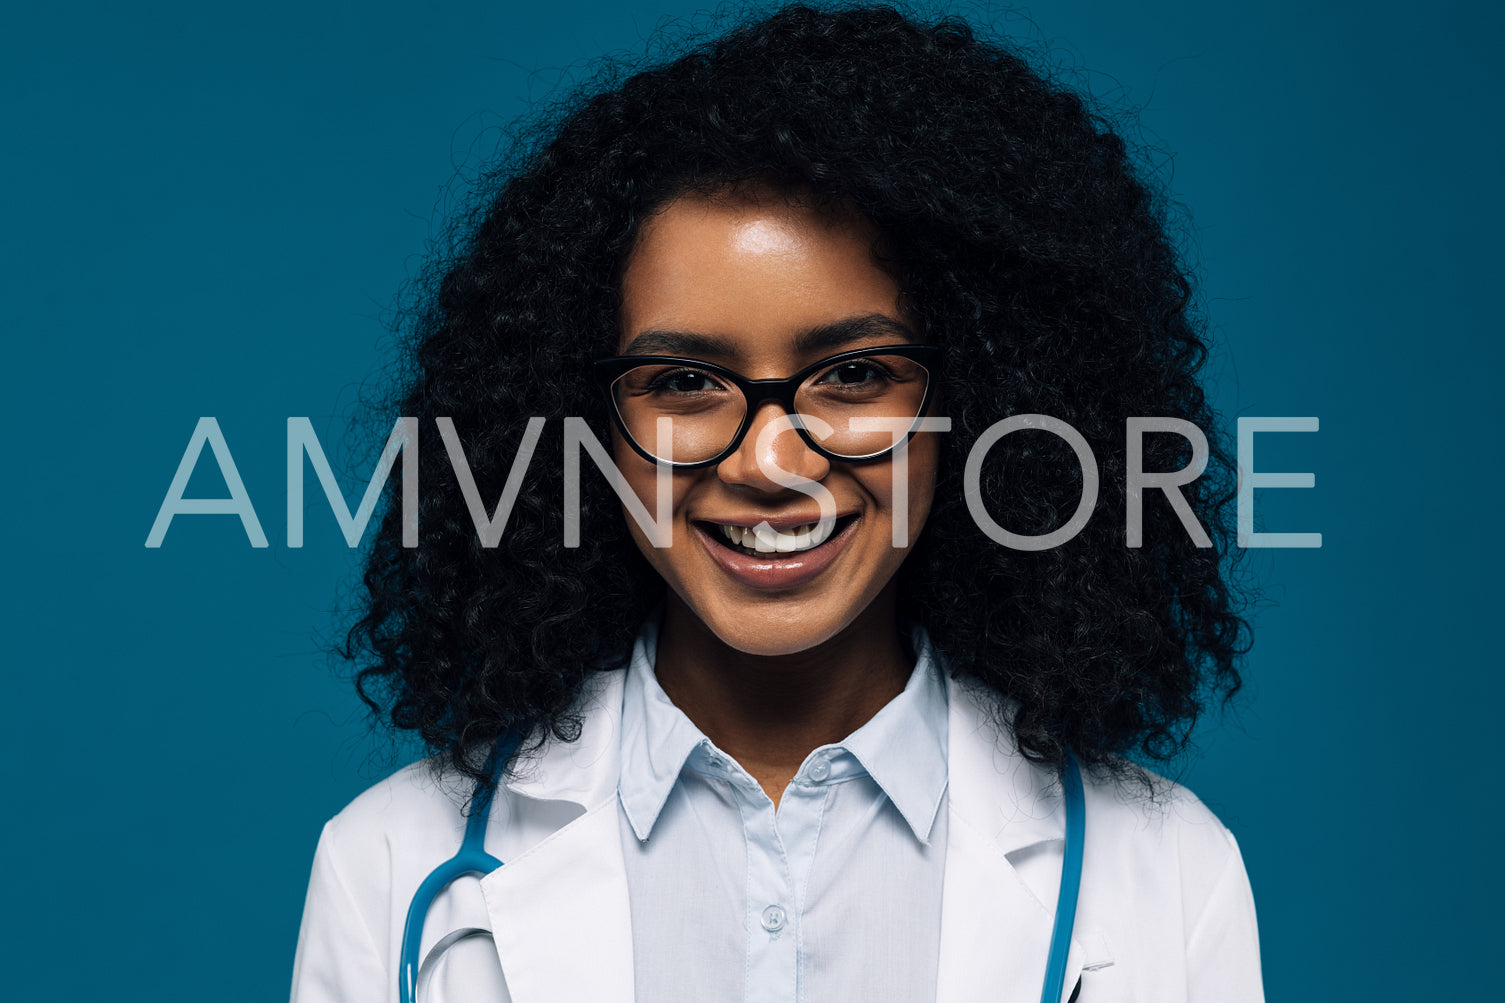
820,532
767,540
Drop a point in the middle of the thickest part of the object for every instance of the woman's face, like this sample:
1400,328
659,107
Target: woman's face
737,283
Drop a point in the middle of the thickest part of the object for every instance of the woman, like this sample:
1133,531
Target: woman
777,718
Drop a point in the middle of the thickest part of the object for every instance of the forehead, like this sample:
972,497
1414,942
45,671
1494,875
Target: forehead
751,274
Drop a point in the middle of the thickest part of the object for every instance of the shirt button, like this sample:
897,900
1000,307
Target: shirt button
718,763
773,918
820,770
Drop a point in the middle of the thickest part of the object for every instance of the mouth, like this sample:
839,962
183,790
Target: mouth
774,560
774,544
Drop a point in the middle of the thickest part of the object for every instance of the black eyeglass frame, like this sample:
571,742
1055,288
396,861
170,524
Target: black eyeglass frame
755,392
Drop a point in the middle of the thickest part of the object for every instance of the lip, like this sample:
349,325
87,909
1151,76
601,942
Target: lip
775,571
781,523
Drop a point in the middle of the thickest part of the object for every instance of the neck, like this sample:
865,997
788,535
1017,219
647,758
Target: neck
769,711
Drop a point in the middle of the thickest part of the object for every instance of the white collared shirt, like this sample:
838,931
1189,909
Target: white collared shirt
836,895
1165,914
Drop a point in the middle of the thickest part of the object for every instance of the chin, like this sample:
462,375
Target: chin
773,633
764,646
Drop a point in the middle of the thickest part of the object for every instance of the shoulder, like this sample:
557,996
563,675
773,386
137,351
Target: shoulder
370,858
417,807
1156,840
999,788
1165,909
410,822
1139,805
373,854
425,802
1150,842
1163,878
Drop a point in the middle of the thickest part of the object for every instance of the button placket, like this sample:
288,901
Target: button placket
772,974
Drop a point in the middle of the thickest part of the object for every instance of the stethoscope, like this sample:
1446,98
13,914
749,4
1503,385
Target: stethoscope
473,859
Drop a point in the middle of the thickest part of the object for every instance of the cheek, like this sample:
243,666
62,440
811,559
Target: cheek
918,475
631,464
921,482
642,484
642,478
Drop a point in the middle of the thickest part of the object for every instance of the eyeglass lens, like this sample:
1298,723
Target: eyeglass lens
707,410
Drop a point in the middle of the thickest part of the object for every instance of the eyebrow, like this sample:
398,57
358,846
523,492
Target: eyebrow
822,338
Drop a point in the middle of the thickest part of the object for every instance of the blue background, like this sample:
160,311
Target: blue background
209,210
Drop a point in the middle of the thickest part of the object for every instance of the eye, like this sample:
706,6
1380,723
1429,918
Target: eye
854,373
684,381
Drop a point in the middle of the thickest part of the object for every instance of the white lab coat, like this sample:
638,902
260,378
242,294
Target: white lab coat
1165,913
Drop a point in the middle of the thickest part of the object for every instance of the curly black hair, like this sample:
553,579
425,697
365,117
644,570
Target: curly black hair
1027,245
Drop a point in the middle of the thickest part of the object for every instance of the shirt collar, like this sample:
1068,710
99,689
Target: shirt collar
903,747
657,737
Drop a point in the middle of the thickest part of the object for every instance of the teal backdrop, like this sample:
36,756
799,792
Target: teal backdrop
210,208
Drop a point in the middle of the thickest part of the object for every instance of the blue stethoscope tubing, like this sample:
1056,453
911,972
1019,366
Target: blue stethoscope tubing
1071,883
472,858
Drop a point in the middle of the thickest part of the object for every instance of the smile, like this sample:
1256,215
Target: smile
762,562
771,541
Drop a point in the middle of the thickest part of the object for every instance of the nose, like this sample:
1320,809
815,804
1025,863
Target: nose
771,452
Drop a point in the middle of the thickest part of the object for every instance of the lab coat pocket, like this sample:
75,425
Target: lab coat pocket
1099,980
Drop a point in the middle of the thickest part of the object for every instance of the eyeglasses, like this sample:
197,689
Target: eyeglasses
711,407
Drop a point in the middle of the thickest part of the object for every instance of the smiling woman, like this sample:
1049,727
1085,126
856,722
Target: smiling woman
749,278
823,741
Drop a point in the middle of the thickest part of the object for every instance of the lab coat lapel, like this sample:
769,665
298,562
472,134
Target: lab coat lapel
559,911
560,917
995,932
